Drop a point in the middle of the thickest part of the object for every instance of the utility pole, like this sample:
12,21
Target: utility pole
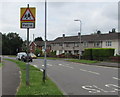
80,51
45,59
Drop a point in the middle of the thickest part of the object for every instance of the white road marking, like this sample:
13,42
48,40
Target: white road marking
96,66
90,71
116,78
69,67
49,64
60,64
66,66
95,89
35,66
41,70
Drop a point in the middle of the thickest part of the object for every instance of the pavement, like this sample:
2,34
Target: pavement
107,64
10,78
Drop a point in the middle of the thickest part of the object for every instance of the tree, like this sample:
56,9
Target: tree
38,39
11,43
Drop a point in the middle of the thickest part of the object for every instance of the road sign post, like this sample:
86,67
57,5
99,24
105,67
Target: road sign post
45,59
27,21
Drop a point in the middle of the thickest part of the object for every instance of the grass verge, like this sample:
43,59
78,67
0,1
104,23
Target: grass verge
1,64
52,58
37,87
83,61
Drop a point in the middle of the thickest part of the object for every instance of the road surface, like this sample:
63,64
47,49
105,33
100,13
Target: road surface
80,79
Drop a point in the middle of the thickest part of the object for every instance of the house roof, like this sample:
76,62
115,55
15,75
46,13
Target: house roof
92,37
41,43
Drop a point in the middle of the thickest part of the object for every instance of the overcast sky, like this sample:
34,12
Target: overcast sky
94,15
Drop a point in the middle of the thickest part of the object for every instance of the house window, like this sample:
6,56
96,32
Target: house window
54,44
30,47
76,51
76,44
96,44
60,44
67,45
108,43
85,44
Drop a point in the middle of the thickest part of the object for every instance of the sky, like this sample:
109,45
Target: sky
95,15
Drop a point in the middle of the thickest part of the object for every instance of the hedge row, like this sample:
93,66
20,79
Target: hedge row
98,53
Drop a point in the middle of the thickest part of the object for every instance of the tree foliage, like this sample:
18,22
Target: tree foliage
38,39
38,51
11,43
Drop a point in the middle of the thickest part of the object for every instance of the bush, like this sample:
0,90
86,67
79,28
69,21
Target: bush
51,54
38,51
61,55
87,54
98,53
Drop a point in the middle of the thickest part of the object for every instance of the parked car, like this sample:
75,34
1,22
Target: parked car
19,55
32,55
23,57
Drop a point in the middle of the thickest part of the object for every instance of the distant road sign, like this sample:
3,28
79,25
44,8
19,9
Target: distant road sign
27,17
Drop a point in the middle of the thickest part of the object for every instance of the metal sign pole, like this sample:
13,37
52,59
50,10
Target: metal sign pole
27,21
45,60
27,65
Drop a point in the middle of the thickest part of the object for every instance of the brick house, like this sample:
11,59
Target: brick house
40,45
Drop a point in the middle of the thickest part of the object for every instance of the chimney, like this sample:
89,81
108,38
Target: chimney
63,35
79,35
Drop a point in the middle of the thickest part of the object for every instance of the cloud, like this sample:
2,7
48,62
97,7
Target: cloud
60,18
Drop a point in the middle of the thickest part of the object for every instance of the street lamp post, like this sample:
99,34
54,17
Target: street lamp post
79,37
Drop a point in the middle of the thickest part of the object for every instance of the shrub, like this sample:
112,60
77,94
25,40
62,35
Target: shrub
98,53
88,54
38,51
51,54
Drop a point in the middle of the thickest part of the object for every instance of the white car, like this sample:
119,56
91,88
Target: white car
19,55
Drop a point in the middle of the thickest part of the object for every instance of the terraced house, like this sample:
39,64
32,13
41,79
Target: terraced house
72,44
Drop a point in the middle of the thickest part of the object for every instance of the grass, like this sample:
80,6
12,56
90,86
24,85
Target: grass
11,55
71,60
1,64
37,87
83,61
53,58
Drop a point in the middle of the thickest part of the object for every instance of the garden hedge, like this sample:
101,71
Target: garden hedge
98,53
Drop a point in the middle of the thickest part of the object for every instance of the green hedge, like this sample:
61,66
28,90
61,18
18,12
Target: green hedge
98,53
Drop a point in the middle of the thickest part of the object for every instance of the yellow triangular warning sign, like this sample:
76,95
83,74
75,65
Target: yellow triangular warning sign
28,16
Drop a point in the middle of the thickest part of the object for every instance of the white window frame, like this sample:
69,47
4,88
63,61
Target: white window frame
108,43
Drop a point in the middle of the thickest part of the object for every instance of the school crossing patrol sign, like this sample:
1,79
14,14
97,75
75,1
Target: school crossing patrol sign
27,17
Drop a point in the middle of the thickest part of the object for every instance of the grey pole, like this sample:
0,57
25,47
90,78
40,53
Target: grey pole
80,41
79,38
45,60
33,37
27,65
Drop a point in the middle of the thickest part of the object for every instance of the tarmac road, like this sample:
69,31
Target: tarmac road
79,79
